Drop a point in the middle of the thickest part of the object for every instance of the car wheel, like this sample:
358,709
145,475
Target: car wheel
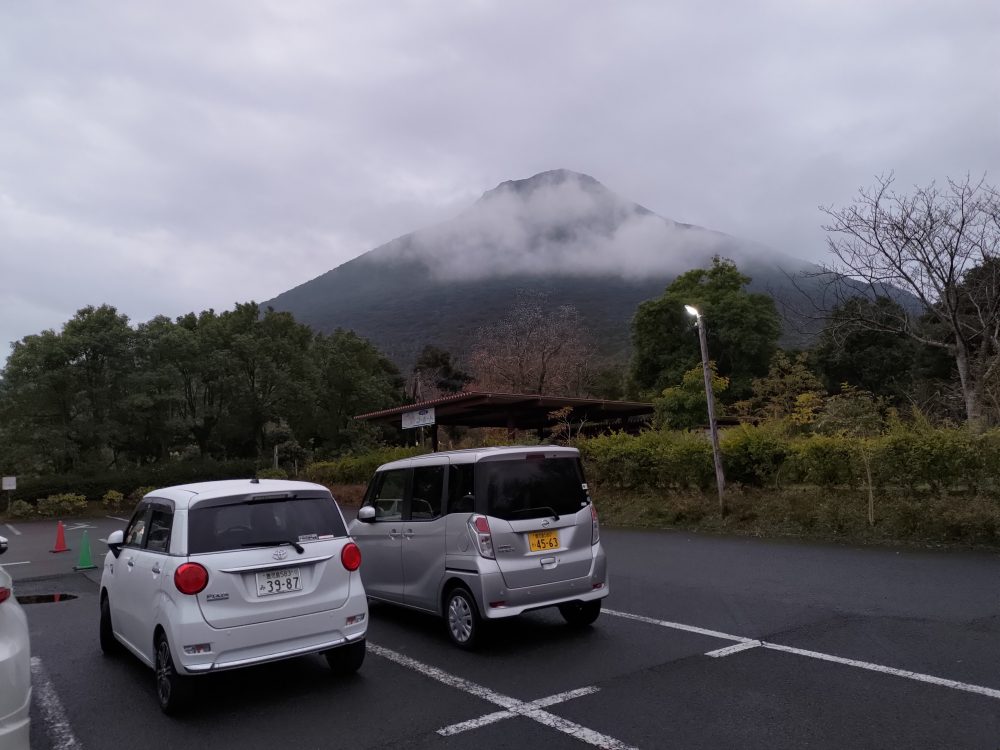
462,618
172,689
346,660
580,614
109,644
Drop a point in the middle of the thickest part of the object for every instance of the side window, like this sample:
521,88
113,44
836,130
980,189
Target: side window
428,487
388,498
160,521
135,532
460,488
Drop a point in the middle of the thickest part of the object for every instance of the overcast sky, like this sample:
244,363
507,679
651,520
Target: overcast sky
170,157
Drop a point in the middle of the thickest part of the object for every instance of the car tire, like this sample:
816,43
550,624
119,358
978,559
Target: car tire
346,660
580,614
172,689
109,644
462,620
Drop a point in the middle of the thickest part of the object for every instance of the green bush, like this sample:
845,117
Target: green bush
21,509
824,461
272,473
753,455
66,504
113,501
356,469
94,486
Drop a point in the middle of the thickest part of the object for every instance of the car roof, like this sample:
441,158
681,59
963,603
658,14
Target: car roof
472,455
185,495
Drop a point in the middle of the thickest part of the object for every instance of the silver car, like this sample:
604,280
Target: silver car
483,534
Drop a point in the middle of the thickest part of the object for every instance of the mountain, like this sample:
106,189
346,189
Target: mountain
561,233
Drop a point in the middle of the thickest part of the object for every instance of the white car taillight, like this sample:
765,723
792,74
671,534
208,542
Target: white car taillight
480,528
595,527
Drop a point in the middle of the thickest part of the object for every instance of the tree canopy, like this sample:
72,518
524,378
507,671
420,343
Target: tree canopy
742,328
102,394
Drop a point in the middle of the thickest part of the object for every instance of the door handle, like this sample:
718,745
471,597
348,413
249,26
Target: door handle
408,534
393,533
130,563
156,568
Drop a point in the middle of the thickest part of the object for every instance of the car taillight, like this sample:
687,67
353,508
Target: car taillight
595,527
190,578
350,556
480,528
4,594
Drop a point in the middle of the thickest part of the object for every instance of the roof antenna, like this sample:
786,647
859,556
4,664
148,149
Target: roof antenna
254,479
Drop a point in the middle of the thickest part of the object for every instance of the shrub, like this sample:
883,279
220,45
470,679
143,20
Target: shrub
824,461
139,493
753,455
356,469
113,501
65,504
21,509
272,473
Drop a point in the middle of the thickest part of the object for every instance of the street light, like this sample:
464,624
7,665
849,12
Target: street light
720,478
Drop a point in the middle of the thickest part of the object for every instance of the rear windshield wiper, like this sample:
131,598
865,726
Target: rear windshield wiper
525,511
275,543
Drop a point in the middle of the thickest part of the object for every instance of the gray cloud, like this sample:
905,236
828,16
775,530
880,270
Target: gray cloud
173,157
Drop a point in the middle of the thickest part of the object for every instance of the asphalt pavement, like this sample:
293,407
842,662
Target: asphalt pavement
705,642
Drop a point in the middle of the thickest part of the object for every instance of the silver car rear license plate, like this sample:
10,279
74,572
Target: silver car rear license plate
280,581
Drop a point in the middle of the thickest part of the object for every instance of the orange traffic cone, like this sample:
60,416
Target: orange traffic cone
60,539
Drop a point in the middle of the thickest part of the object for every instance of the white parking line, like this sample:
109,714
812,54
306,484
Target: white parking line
513,705
13,531
22,562
734,649
496,716
57,725
117,518
747,643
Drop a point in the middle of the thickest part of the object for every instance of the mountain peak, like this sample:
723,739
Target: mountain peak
552,178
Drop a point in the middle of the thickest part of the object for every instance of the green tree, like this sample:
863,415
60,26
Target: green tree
684,407
790,390
435,373
743,330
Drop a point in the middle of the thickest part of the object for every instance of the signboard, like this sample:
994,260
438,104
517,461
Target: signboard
421,418
8,483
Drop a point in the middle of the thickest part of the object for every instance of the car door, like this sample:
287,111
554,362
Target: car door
126,592
149,561
381,539
424,535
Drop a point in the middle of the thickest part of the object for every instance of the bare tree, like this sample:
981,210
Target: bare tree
534,349
943,247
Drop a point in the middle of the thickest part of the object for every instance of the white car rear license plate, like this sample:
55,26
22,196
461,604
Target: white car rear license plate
280,581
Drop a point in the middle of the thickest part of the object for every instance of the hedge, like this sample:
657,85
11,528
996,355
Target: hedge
917,459
356,469
94,487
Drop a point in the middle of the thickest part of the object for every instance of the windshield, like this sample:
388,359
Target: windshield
531,487
249,522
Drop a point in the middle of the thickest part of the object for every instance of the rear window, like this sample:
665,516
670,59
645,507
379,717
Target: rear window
531,487
240,524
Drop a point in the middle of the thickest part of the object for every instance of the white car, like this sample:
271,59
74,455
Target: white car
221,575
15,666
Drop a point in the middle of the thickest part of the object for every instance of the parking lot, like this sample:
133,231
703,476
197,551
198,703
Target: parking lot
705,642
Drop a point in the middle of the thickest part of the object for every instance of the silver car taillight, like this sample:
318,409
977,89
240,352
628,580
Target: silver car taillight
595,527
479,526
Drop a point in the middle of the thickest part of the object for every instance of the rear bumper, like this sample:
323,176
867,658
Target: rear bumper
15,727
489,588
264,642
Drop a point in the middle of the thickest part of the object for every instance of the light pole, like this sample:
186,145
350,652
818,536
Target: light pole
720,478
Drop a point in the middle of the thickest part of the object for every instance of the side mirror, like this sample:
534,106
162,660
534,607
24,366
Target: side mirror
115,541
366,514
3,545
